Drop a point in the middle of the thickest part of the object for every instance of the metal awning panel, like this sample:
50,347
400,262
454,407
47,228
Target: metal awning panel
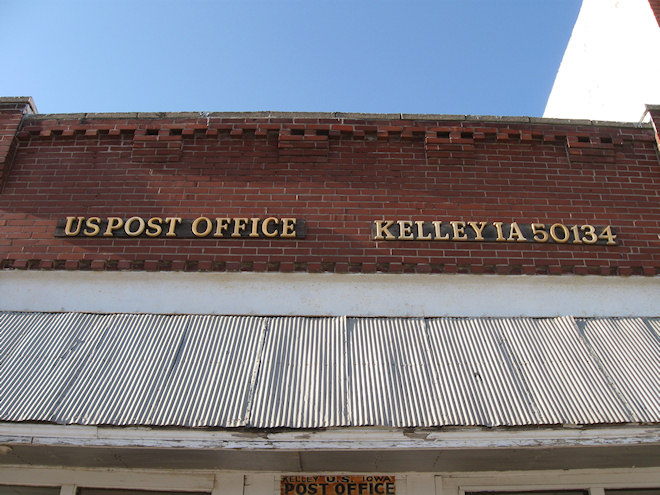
296,372
40,366
300,381
390,376
477,382
626,351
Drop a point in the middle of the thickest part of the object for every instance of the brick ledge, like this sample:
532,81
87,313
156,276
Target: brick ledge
323,267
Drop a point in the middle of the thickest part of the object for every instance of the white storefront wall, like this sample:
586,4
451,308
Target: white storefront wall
235,483
329,294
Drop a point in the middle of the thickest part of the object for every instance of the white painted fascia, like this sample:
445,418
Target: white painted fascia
330,439
328,294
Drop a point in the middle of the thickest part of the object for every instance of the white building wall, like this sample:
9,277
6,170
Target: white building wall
610,69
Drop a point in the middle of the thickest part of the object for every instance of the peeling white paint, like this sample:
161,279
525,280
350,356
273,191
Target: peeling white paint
328,439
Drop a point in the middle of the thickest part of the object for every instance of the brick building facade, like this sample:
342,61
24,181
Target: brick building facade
339,173
263,303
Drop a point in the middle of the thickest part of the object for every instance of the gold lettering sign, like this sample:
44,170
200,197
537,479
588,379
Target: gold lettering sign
481,231
177,227
337,485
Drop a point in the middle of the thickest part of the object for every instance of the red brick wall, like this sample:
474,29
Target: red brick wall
338,174
11,115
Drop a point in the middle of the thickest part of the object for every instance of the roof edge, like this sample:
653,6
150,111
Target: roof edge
333,438
340,116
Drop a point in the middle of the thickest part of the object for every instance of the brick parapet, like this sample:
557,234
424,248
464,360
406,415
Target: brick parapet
654,113
341,117
339,172
12,111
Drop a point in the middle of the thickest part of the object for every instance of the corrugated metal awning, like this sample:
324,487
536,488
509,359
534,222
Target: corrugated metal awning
296,372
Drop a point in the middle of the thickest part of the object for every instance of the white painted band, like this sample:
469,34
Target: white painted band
329,439
329,294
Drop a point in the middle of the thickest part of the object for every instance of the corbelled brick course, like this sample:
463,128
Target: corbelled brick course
338,172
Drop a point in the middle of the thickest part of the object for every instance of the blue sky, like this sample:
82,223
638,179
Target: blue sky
479,57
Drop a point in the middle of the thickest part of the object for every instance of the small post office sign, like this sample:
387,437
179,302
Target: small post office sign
337,485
